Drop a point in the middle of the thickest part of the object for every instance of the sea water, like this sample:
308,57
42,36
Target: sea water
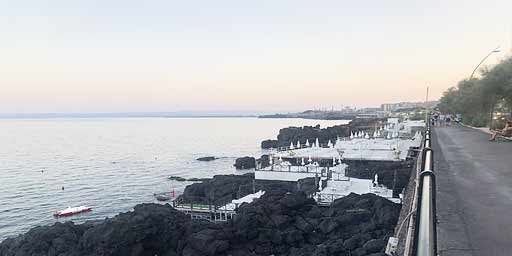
112,164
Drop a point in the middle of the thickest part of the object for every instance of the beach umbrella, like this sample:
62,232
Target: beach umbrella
307,143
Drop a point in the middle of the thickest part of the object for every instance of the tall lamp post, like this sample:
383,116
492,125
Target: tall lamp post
496,50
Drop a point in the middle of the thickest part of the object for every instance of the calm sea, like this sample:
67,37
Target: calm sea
112,164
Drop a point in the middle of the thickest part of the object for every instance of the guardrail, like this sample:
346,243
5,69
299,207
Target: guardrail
425,230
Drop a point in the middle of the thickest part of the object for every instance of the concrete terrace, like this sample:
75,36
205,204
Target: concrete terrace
474,192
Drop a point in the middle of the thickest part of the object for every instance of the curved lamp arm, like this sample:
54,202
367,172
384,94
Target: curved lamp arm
497,49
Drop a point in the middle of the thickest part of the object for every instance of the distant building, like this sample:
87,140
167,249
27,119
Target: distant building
390,107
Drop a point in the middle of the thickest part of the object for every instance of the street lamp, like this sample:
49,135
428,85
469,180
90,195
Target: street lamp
496,50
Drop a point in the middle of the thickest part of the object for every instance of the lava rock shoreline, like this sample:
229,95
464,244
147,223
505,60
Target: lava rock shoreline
221,189
276,224
311,133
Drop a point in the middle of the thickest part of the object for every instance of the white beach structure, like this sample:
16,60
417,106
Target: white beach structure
339,188
235,203
390,143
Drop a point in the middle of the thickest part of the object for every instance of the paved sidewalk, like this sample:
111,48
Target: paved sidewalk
474,196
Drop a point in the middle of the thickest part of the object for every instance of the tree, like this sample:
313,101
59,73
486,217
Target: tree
476,99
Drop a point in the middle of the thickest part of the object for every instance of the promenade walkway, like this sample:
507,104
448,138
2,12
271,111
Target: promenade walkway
474,196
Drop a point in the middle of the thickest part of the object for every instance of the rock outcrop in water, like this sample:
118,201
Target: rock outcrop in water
207,158
246,162
311,133
278,224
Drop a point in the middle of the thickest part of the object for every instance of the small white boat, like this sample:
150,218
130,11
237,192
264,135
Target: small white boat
72,211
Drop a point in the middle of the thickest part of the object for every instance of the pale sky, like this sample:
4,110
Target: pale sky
278,55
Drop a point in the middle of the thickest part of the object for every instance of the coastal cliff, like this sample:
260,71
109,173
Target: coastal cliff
278,224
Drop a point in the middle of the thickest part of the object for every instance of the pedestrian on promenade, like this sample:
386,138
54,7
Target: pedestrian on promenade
505,132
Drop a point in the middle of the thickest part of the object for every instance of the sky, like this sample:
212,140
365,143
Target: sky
76,56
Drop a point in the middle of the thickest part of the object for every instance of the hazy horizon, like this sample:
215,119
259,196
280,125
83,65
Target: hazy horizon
262,56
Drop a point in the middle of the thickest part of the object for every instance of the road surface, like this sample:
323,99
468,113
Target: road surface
474,192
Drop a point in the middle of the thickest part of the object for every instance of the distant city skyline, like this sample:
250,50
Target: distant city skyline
239,56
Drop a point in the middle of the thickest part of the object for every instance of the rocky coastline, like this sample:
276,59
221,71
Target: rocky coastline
284,221
275,224
311,133
244,163
221,189
207,158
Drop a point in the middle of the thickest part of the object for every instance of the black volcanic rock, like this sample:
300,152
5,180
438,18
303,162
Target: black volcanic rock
269,144
149,230
221,189
311,133
206,158
263,161
278,224
386,170
246,162
58,239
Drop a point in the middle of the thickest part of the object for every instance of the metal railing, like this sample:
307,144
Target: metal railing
425,231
